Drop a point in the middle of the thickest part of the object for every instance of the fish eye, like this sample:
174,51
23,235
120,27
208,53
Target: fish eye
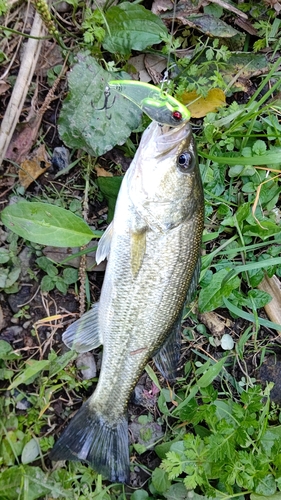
186,162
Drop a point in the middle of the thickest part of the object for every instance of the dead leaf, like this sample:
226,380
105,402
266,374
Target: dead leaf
200,106
154,65
273,308
184,9
35,166
24,137
210,25
101,172
215,323
159,6
149,67
4,87
275,4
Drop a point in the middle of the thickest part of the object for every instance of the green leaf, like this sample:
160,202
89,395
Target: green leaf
140,448
266,486
46,224
6,351
276,496
259,297
212,296
61,286
132,27
264,230
27,482
84,122
70,275
4,255
178,492
59,362
30,451
30,373
109,187
212,372
47,284
250,317
139,495
259,147
160,480
267,159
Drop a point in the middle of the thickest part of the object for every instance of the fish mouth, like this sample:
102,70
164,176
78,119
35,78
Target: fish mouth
167,138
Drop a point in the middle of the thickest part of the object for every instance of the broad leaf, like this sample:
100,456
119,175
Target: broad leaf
109,187
30,451
47,224
212,296
132,27
84,122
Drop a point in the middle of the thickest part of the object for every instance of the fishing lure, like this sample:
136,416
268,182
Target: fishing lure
157,104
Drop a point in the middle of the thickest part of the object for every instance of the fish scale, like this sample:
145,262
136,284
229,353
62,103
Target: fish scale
153,250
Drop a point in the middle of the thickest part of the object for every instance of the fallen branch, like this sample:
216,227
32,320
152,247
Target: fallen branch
27,68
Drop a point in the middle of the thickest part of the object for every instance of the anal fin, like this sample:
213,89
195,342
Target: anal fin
83,335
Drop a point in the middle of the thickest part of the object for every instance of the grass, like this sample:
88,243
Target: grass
221,428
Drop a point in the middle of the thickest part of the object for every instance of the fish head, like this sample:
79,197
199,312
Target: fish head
164,182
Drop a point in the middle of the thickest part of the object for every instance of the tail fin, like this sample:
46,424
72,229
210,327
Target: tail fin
91,438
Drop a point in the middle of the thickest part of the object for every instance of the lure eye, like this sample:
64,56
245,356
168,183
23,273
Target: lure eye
177,115
186,162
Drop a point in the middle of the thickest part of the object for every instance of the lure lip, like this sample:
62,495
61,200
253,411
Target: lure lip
157,104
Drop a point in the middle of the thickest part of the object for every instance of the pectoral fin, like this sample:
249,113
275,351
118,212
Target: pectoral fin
167,358
83,335
138,246
103,249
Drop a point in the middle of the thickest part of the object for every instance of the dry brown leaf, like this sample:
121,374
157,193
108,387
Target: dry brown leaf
101,172
149,67
160,6
215,323
24,136
4,87
200,106
33,167
273,308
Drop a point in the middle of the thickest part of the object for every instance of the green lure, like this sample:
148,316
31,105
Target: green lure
157,104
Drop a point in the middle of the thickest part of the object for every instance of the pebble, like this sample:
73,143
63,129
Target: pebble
85,362
60,158
25,257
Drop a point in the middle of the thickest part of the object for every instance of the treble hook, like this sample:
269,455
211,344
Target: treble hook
107,94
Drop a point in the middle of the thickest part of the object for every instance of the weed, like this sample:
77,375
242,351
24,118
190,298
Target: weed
3,7
53,279
10,265
233,452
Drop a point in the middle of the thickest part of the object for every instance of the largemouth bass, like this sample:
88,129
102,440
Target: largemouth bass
152,247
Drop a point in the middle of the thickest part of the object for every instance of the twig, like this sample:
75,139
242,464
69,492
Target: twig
27,68
232,8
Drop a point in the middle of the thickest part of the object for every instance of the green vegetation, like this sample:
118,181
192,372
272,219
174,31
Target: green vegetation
222,432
